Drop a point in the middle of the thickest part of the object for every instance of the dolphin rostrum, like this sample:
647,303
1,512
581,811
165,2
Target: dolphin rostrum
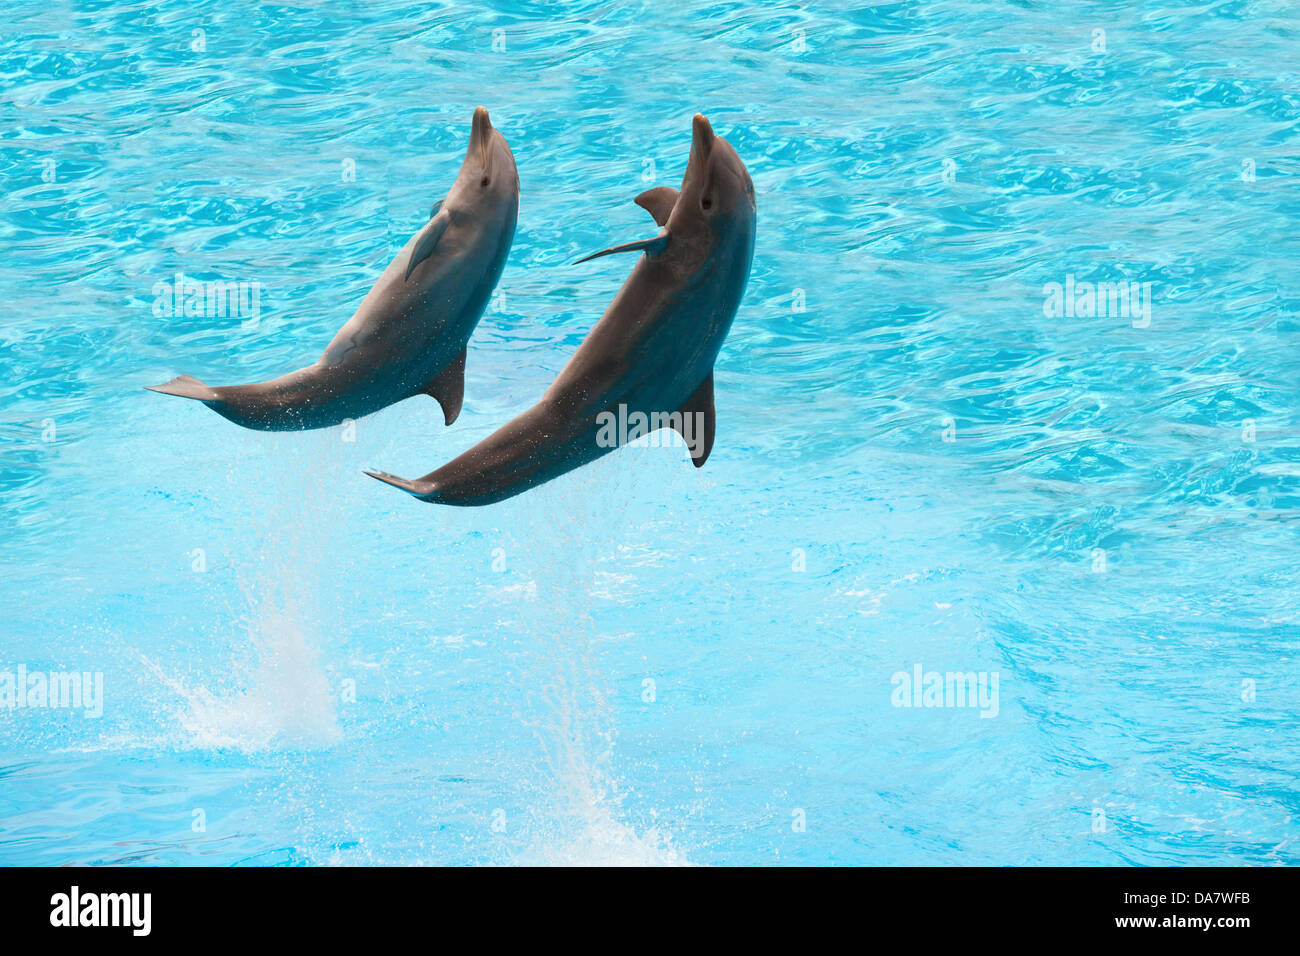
648,363
409,335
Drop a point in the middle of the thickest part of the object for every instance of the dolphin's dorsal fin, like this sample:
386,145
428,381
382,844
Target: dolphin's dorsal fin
699,422
651,247
448,387
429,238
658,202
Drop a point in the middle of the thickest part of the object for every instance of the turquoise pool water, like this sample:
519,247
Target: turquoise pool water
928,461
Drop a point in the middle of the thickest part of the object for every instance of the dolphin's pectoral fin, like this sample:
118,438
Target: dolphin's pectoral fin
186,386
651,247
658,202
699,422
448,387
424,248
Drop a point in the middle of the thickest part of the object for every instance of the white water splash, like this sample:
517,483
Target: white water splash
279,695
600,839
580,819
283,701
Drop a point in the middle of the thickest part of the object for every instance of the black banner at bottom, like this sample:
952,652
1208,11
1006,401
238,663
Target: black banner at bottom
332,906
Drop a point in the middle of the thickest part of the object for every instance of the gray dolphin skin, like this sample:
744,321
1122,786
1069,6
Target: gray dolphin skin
648,362
409,335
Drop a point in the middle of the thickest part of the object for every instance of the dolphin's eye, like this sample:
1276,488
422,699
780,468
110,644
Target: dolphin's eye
483,182
706,203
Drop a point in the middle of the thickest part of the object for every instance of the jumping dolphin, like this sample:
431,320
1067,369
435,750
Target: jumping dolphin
409,335
649,360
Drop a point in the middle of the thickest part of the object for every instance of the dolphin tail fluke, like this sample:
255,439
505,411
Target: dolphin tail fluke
410,487
699,422
448,387
187,386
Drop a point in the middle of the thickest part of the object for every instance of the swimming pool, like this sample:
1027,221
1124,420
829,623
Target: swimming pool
989,565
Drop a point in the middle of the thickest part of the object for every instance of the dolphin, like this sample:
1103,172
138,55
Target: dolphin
648,362
410,332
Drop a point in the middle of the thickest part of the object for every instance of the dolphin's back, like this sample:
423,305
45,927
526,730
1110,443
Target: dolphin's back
409,334
650,352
